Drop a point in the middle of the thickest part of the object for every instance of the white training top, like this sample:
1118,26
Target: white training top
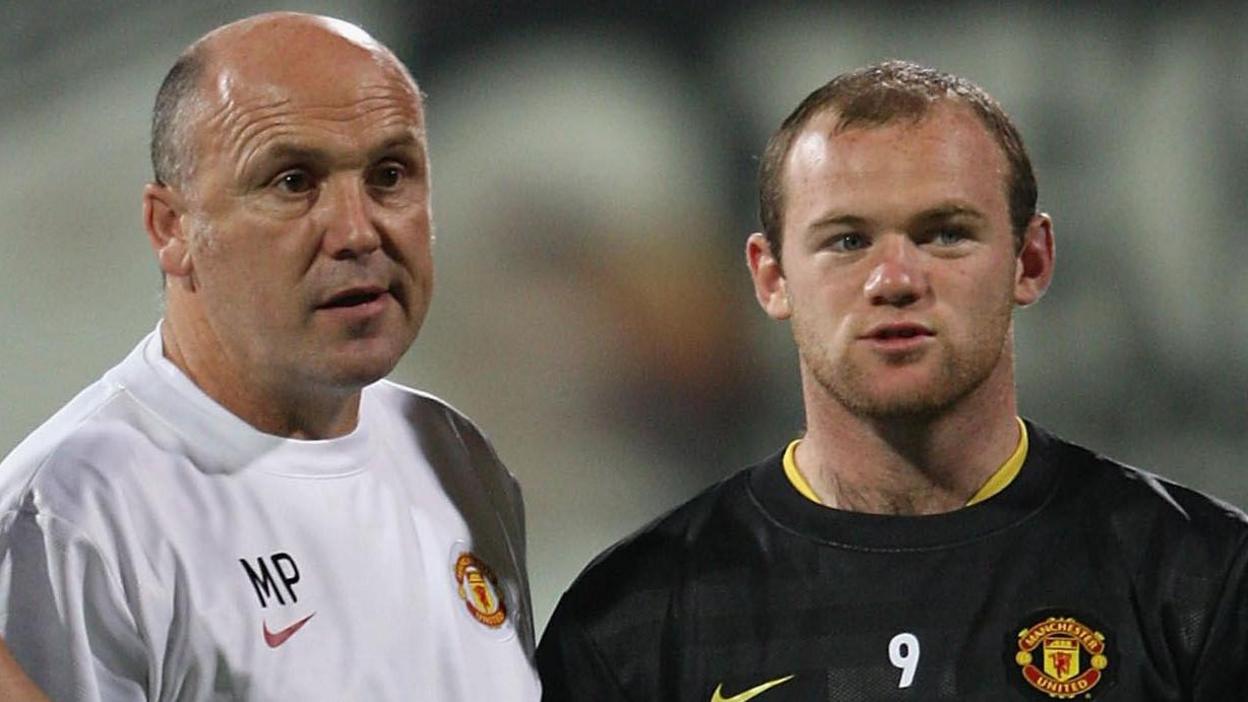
155,546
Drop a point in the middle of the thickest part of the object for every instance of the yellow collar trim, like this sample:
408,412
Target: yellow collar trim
795,476
995,483
1007,472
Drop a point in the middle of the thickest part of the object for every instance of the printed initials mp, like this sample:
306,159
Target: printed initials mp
263,581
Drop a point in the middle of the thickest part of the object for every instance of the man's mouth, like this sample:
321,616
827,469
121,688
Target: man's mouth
354,297
900,330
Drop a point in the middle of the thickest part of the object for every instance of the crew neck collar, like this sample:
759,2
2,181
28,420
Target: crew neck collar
219,441
1023,497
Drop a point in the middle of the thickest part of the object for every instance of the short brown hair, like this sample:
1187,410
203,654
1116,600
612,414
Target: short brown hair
882,94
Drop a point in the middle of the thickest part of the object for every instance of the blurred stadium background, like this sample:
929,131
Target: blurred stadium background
594,183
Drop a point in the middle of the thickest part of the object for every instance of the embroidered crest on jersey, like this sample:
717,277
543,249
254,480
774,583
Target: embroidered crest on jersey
478,587
1062,657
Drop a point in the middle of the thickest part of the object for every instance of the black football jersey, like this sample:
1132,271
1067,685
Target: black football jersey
1083,579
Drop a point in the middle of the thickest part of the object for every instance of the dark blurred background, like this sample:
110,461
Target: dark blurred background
593,186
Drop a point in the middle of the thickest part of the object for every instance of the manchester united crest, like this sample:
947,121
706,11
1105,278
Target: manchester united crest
1062,657
478,587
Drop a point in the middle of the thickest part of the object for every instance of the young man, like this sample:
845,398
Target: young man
243,508
920,541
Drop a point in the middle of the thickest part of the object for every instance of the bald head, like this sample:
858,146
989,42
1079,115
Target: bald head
267,49
294,174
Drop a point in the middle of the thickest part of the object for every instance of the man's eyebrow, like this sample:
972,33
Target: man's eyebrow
835,219
939,213
397,142
951,210
289,151
293,151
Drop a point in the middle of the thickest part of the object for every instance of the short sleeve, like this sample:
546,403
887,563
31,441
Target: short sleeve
63,614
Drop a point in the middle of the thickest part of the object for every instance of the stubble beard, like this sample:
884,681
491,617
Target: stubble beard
852,382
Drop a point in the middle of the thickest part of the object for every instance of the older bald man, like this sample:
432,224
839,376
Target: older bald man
243,508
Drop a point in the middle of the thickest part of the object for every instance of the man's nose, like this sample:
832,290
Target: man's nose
897,277
350,230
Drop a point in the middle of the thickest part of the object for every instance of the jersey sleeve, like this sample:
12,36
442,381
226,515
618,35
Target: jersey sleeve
64,616
571,667
1222,670
506,501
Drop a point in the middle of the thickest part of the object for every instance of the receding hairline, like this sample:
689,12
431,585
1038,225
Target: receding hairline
830,120
186,88
842,123
890,93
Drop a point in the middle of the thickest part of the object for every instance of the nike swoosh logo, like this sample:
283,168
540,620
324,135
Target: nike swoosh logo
718,695
277,638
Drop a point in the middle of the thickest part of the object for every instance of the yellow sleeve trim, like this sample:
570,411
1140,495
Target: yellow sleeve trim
995,483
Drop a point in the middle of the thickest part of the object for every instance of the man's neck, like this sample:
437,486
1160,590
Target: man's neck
909,465
302,414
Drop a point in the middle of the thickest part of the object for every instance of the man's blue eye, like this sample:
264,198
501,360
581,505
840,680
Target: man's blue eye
851,242
949,236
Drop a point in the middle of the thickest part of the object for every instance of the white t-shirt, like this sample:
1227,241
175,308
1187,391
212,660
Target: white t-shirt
155,546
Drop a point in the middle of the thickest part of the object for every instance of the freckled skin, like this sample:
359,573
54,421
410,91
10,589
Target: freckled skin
902,224
310,178
963,294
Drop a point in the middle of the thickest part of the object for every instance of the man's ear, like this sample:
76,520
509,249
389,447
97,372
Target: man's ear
162,218
1034,271
770,287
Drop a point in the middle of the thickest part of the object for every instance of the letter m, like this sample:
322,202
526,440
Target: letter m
263,582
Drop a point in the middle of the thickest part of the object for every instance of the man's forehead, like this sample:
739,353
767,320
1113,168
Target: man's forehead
336,85
944,163
301,84
946,124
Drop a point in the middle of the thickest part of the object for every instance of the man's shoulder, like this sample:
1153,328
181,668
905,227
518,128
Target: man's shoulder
417,407
442,432
640,570
82,449
1132,499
